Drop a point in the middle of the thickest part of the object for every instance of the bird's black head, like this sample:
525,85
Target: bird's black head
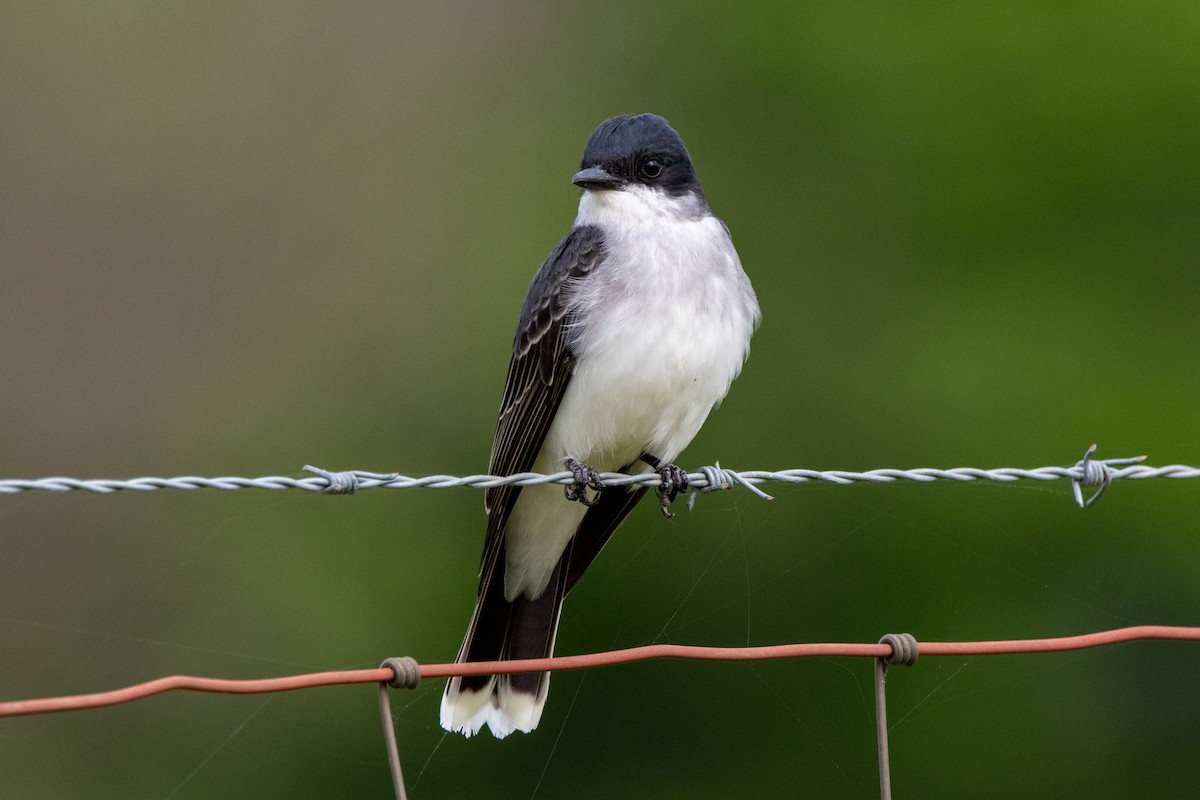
642,150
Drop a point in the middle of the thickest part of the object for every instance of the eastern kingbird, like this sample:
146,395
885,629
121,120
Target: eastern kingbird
631,332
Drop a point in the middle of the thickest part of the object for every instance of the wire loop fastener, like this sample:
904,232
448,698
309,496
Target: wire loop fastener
406,670
904,649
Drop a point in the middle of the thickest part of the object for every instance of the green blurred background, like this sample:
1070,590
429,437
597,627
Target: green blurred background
239,238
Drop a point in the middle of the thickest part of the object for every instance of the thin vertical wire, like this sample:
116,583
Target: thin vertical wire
389,738
881,730
905,651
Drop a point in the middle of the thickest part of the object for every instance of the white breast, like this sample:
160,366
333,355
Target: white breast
664,326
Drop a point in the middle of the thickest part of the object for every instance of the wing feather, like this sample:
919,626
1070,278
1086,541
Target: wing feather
541,366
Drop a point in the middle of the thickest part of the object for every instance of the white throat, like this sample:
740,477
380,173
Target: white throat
635,206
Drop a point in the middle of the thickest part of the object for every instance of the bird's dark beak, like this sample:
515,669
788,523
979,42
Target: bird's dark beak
594,178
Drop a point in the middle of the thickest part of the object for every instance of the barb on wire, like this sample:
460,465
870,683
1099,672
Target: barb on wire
1097,473
1087,472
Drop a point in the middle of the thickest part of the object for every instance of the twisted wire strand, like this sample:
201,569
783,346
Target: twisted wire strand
705,479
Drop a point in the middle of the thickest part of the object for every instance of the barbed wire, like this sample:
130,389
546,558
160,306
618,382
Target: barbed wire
1086,472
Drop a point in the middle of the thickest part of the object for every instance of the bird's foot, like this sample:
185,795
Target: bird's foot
674,481
585,477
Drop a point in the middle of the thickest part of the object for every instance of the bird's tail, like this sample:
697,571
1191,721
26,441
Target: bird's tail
503,630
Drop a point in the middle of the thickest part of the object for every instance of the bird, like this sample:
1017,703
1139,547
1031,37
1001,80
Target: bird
630,334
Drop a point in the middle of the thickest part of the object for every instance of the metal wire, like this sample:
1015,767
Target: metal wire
48,705
904,651
404,673
1088,472
389,744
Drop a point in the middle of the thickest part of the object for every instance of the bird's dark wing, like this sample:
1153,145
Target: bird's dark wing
540,369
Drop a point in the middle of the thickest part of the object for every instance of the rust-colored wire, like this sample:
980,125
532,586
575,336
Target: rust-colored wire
77,702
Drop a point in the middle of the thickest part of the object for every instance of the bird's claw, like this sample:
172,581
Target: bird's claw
585,477
674,481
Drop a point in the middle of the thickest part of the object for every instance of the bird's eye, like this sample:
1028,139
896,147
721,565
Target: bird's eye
652,168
